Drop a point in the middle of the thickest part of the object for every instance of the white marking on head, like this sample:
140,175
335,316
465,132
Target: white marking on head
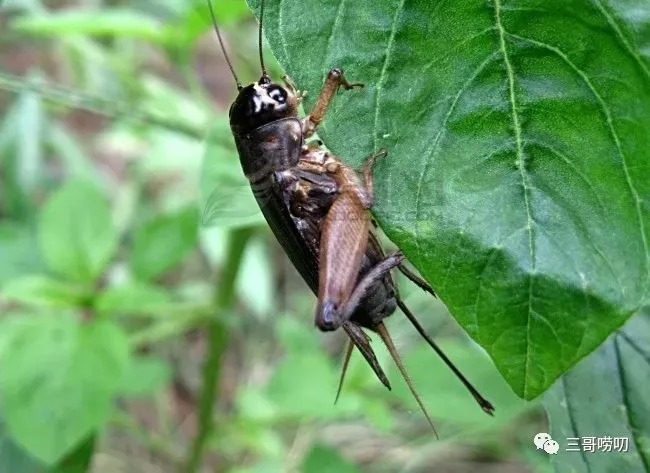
263,97
258,103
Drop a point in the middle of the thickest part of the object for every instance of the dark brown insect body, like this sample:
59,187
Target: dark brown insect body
318,209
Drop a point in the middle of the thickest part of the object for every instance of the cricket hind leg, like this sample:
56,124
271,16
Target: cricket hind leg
376,273
417,280
486,405
381,329
362,342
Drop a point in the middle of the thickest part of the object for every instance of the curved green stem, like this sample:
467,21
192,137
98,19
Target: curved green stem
217,339
99,105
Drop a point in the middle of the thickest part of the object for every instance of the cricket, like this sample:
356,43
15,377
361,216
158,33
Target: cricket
319,210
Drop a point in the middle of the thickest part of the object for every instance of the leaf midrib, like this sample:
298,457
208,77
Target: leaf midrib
382,74
522,170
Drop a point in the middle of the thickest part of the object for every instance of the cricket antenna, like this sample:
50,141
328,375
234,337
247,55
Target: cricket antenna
265,76
383,333
223,49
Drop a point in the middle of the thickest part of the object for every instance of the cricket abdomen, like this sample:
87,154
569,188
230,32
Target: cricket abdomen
310,193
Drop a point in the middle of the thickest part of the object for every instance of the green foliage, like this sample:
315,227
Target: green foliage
123,22
133,298
326,460
76,233
517,168
58,381
226,197
145,376
17,253
612,381
163,242
42,291
108,288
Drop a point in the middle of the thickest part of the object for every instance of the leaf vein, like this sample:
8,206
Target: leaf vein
610,124
621,37
635,346
585,179
521,165
572,421
330,40
488,261
429,158
283,40
382,75
634,428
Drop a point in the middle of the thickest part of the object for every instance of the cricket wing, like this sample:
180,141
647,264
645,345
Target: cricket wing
271,200
344,237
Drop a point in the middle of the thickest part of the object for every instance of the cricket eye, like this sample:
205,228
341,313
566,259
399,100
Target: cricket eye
278,94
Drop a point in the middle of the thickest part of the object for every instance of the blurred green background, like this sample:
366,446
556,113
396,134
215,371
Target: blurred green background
135,270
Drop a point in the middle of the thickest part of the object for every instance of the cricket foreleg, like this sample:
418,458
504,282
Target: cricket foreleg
335,79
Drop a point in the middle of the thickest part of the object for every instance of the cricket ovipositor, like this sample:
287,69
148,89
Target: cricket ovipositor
318,209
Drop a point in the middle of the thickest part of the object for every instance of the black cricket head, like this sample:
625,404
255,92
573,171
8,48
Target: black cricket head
260,103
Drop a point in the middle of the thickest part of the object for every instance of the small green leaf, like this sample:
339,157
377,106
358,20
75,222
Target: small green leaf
22,155
135,298
42,291
58,381
322,459
606,394
304,383
70,152
256,284
18,251
77,461
304,386
76,233
14,459
226,196
144,376
163,242
517,174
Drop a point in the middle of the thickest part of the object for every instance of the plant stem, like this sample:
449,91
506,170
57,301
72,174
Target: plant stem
101,106
217,338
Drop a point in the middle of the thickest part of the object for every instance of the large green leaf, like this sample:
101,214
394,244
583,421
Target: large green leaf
58,380
606,394
517,176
